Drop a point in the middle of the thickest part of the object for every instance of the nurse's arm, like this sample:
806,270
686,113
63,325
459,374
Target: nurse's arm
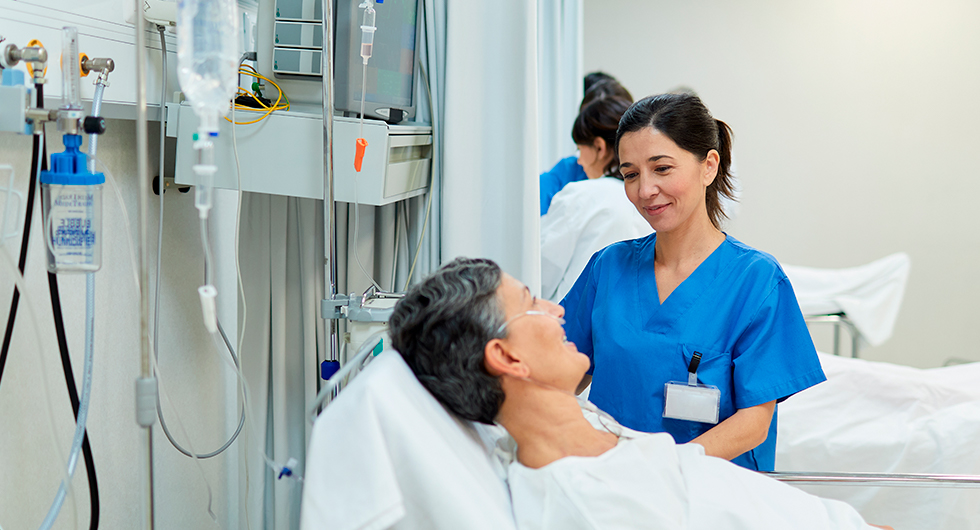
586,381
741,432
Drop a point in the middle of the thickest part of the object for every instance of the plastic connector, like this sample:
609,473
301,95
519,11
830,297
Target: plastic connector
208,307
287,470
146,401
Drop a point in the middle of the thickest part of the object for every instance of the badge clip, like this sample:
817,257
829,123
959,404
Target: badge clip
691,401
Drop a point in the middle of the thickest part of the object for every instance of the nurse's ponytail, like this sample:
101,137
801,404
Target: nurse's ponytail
684,119
722,186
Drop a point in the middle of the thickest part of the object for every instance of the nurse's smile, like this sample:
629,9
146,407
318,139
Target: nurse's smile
655,210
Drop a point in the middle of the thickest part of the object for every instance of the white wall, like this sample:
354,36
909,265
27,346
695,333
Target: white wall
855,126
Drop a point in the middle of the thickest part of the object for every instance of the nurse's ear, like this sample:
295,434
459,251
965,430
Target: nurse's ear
603,150
499,360
709,167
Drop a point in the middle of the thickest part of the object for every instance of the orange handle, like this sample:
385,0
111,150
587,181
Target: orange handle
359,155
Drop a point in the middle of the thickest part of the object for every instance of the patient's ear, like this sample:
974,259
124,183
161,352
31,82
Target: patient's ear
499,360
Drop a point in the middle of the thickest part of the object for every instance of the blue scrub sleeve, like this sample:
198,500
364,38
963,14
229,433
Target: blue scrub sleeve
775,358
578,304
551,182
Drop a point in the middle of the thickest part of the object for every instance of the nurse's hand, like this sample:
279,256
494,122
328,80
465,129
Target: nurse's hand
741,432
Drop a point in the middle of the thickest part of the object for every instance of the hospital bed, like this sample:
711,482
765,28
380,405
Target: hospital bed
386,454
888,421
862,300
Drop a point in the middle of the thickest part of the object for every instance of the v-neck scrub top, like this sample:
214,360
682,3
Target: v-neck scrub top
737,309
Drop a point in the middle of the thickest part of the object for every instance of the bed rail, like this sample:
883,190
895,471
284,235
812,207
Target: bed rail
914,480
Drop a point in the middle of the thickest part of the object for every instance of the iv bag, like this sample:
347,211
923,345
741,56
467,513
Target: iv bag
207,56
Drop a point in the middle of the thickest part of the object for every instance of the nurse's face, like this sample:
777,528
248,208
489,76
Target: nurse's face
665,183
539,339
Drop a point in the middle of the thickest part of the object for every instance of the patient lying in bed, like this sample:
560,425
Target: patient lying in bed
491,352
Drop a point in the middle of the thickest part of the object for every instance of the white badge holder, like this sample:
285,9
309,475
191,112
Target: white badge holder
691,401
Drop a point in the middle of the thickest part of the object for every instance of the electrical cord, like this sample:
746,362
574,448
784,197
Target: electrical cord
156,310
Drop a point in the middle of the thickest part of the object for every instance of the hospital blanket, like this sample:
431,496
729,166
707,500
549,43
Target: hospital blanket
650,482
884,418
386,454
870,295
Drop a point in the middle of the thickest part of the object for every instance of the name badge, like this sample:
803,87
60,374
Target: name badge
691,401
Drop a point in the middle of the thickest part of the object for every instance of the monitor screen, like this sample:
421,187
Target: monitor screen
390,73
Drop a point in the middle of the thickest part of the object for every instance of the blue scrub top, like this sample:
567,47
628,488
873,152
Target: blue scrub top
565,171
737,309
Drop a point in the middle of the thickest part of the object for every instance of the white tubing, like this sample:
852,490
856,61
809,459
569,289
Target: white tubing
76,444
81,420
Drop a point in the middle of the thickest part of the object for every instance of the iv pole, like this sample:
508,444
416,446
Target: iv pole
146,384
329,205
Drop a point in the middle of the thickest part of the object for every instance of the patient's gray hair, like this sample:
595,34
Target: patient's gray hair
441,328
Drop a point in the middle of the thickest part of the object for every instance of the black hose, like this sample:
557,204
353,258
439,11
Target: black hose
25,238
39,157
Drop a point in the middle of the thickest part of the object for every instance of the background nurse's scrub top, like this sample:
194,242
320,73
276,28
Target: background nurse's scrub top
737,309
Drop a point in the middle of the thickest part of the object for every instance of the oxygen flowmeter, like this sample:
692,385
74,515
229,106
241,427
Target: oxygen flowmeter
72,194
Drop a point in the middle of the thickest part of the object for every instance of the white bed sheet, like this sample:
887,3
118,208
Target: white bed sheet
870,295
880,417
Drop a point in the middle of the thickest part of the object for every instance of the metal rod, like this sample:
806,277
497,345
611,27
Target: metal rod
878,479
142,165
329,205
837,337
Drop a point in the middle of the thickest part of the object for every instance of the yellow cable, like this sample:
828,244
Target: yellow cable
251,72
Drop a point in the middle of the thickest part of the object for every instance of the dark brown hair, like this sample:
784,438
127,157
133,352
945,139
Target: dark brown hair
687,122
600,119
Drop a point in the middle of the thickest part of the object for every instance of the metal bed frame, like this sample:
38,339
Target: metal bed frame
914,480
839,320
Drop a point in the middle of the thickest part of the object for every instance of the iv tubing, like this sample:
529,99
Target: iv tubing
156,299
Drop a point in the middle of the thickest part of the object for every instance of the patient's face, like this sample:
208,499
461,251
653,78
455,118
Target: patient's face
540,340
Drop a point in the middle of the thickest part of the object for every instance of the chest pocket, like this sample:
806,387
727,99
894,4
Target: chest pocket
715,369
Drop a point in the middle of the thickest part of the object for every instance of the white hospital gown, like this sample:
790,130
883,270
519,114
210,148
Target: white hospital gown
650,482
584,217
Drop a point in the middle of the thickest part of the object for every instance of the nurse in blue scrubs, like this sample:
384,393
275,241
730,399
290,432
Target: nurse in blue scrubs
598,85
643,309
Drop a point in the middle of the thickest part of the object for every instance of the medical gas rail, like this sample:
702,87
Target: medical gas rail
910,480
